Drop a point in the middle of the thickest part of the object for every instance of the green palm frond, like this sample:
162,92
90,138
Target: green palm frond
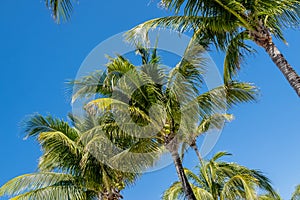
37,124
296,193
224,180
215,121
139,157
224,97
89,85
62,192
231,187
31,184
202,193
59,152
213,29
175,191
269,197
219,155
61,9
58,141
236,51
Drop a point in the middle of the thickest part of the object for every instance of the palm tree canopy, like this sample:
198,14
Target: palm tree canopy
125,88
222,180
160,105
229,24
67,169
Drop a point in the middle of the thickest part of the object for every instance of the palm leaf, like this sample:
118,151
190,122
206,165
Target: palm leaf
61,9
31,182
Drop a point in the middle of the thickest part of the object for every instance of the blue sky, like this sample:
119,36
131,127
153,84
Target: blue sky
38,56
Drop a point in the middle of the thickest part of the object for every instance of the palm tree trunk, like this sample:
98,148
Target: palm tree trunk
194,146
283,65
183,179
263,38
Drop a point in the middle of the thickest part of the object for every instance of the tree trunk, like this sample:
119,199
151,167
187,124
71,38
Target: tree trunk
194,146
283,65
182,177
263,38
112,195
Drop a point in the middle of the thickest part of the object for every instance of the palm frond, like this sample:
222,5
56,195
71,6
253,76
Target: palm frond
296,193
235,55
32,182
216,121
89,85
61,9
37,124
222,98
60,152
175,191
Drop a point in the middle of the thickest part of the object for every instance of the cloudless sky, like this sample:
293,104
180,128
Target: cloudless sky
37,56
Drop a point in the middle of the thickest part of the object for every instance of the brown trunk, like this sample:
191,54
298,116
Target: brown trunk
263,38
173,149
112,195
183,179
194,146
283,65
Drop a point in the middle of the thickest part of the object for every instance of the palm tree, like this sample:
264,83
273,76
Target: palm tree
163,106
229,24
61,9
224,181
67,169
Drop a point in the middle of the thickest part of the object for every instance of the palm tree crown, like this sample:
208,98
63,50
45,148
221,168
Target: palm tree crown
225,181
229,24
67,169
163,106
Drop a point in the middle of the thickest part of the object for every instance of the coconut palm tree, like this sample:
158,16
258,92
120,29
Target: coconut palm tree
225,181
67,167
150,102
229,24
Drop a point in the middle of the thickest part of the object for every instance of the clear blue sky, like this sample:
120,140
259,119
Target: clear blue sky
38,56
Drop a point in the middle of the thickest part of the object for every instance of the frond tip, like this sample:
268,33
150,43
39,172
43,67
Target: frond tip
61,9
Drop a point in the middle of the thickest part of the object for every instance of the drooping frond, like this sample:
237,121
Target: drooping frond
236,51
33,184
89,85
58,141
61,9
269,197
239,186
201,193
215,121
140,156
229,9
37,124
63,192
223,180
215,29
221,98
175,191
60,152
296,193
